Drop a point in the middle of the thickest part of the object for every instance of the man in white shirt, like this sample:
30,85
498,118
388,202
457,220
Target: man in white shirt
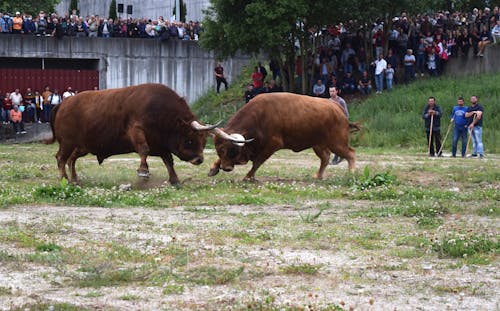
69,92
380,67
16,98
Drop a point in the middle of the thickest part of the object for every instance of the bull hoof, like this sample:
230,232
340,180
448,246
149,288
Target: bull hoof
249,179
143,174
213,172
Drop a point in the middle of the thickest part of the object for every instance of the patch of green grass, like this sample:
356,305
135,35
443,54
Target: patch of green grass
490,211
461,246
130,297
107,275
50,306
173,289
305,268
211,275
4,291
48,247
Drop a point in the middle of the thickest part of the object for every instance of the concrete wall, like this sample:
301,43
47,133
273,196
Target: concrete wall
181,65
461,65
149,9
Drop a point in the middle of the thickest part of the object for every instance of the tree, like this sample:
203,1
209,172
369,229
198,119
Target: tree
32,7
183,12
73,6
112,10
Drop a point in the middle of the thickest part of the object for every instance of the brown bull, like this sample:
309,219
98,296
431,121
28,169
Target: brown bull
150,119
277,121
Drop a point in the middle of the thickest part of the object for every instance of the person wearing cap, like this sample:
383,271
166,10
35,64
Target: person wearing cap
16,118
475,124
17,24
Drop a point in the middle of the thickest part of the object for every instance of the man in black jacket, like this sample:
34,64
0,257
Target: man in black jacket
432,117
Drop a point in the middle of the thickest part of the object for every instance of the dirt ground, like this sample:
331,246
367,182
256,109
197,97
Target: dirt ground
346,276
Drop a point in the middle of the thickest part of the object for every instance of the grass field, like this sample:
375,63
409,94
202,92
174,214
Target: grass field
404,232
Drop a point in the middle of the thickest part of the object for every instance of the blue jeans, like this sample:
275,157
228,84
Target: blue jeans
477,140
409,73
379,82
460,131
389,84
421,63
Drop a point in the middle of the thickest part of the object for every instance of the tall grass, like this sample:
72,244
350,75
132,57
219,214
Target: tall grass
390,120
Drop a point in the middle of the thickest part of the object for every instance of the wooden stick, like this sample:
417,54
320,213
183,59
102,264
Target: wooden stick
445,136
430,136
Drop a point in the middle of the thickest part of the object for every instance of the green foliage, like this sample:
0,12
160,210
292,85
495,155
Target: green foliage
183,11
60,192
173,289
461,245
112,10
210,275
311,218
304,268
48,247
379,179
49,306
73,6
30,7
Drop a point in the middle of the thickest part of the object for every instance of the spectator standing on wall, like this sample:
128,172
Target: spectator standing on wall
495,32
432,114
17,24
420,57
93,26
5,23
475,124
460,130
57,31
41,24
219,76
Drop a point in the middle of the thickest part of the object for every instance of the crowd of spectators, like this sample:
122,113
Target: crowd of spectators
415,46
30,106
73,25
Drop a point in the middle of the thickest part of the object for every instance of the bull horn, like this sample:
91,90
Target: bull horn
237,139
197,126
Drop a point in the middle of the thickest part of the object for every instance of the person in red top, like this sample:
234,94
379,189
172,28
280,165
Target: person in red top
257,79
17,120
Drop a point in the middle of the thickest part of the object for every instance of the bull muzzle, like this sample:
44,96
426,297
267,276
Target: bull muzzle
197,161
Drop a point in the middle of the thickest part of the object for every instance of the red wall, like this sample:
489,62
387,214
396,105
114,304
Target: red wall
79,80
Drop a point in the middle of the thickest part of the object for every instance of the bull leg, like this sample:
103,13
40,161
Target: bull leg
62,156
141,147
347,153
71,163
256,163
169,163
324,155
214,169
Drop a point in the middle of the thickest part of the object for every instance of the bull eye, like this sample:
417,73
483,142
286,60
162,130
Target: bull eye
188,143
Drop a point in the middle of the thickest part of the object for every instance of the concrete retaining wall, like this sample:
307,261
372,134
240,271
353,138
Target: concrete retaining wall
182,65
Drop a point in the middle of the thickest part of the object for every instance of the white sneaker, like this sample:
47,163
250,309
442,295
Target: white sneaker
23,132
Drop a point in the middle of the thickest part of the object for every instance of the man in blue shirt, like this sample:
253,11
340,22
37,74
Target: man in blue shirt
460,130
475,121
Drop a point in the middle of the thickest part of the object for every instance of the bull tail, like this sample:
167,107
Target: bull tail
53,113
354,127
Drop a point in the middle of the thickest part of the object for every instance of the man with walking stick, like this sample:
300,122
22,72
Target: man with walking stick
432,117
475,123
460,131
